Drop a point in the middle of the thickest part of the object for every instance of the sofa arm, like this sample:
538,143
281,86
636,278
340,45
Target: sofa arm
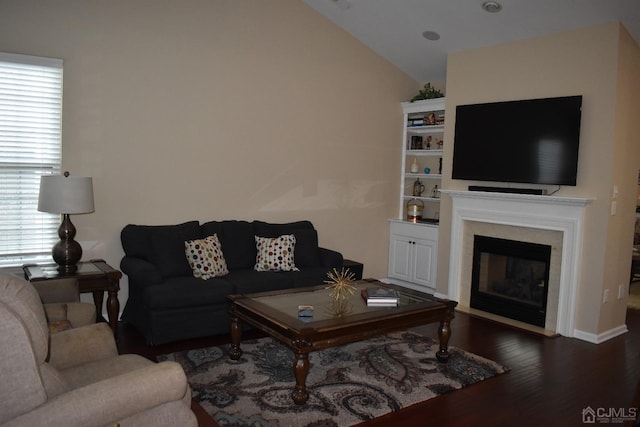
58,290
81,345
140,271
111,400
330,258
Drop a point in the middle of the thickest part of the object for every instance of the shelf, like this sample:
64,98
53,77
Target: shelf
436,153
436,104
421,155
413,246
425,129
423,175
424,199
426,223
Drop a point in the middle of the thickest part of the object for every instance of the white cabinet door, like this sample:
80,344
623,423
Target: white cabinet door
413,251
424,262
400,258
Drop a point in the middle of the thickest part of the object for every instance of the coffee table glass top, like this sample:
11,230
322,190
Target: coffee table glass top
324,307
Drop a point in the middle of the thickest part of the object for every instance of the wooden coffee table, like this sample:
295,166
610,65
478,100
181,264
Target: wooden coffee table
276,313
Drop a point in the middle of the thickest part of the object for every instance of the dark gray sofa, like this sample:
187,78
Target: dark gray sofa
166,303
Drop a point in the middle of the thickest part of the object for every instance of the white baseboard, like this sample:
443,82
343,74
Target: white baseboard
600,338
409,285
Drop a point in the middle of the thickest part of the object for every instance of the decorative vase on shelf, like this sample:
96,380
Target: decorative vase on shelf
414,166
418,188
415,207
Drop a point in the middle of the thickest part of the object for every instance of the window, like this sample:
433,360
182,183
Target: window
30,146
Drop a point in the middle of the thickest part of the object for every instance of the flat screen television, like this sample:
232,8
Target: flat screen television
533,141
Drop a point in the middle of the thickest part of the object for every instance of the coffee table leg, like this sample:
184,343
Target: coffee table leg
236,332
301,370
444,333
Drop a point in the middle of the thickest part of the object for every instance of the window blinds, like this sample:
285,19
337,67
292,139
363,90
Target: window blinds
30,146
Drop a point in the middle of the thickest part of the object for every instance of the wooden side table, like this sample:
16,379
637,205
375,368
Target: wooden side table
95,276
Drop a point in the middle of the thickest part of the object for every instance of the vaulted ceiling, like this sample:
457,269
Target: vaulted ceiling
394,28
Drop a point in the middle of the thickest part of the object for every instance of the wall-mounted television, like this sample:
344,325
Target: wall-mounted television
533,141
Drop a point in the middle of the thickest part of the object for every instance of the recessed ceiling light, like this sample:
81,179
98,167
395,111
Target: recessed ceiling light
431,35
492,6
342,4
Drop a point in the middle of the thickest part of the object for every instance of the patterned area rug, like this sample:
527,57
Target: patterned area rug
346,385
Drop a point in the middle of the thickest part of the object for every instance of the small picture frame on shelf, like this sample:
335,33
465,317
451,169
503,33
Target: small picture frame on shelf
416,142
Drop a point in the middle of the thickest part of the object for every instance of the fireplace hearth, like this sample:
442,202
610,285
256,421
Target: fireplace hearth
511,278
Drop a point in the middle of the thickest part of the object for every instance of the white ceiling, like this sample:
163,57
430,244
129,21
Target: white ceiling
393,28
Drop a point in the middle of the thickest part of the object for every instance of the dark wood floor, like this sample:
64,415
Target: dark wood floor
551,379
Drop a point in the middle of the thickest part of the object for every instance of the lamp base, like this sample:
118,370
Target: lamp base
67,252
66,270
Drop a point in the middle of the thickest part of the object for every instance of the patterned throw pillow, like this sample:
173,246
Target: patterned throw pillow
275,253
205,257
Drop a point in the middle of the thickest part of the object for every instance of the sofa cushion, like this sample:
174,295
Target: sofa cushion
275,253
59,326
162,245
205,257
187,291
56,312
311,276
306,252
57,317
251,281
237,241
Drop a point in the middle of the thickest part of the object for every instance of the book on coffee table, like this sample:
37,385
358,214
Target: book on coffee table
380,297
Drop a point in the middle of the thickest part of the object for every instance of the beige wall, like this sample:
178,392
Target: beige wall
597,63
625,165
221,109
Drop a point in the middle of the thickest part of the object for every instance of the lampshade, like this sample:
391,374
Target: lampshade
66,194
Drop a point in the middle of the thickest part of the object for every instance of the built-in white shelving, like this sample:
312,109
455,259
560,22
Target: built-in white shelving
413,246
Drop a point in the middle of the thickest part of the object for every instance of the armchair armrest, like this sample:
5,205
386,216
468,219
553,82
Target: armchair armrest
330,258
81,345
58,290
113,399
140,271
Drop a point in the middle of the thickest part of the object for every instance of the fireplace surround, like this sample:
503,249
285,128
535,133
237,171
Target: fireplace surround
562,216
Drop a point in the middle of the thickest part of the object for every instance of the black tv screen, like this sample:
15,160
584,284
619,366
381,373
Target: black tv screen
532,141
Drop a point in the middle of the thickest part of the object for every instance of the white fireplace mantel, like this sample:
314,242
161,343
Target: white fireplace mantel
563,214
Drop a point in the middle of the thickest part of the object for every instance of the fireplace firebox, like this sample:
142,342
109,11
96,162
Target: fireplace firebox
510,278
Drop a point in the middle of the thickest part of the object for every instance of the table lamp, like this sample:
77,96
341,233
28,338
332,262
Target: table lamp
64,194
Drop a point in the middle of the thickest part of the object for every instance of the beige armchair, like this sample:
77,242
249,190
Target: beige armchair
76,377
61,301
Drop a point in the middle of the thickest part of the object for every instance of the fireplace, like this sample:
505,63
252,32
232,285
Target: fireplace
510,278
530,216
